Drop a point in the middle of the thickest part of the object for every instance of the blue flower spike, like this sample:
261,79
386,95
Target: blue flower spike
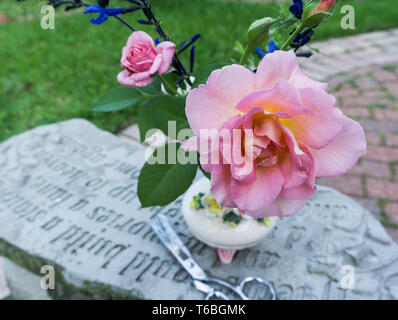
195,37
297,8
271,47
184,45
302,38
260,53
192,58
103,13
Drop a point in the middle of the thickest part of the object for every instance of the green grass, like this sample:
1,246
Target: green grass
53,75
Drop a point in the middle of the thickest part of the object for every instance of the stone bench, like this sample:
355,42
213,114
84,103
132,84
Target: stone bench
68,200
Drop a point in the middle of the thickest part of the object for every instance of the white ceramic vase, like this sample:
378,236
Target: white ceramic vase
213,231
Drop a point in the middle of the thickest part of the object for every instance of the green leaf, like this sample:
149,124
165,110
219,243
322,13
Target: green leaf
158,111
117,99
232,219
259,32
168,80
239,48
145,120
202,76
168,108
283,24
160,184
205,173
153,89
314,49
315,19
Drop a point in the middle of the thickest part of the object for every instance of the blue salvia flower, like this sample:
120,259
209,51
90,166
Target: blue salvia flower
302,38
271,47
297,8
103,13
192,58
260,53
184,45
157,41
195,37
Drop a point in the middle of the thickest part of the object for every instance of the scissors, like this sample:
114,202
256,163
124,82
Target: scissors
170,239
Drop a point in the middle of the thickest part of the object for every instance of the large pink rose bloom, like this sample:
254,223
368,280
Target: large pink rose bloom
141,59
297,135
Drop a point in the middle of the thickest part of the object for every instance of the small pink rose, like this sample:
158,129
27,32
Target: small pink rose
141,59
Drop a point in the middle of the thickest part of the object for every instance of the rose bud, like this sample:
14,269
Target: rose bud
315,13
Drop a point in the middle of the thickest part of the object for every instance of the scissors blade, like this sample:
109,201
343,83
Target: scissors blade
209,291
170,239
203,287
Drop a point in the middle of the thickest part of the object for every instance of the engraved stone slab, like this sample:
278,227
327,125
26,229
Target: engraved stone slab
68,199
4,290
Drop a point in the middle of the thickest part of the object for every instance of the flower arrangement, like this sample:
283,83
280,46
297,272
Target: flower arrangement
258,128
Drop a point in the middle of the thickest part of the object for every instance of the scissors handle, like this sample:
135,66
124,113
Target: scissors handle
239,290
236,289
218,295
209,290
261,281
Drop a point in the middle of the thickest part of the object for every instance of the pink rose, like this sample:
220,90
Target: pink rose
141,60
290,133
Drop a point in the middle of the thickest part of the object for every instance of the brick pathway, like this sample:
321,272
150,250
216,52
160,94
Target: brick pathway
343,55
364,78
370,95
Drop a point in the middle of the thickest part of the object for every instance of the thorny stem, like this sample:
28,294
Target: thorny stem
176,61
125,23
146,8
292,37
245,55
64,2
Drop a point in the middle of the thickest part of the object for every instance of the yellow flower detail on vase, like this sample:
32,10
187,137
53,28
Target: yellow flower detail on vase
212,206
196,202
265,221
232,218
194,205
